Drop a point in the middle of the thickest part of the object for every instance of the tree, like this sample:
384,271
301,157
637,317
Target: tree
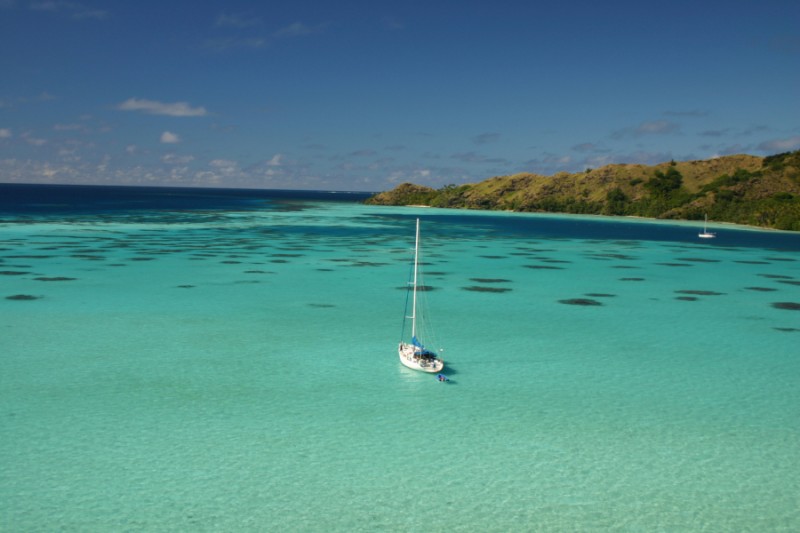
616,202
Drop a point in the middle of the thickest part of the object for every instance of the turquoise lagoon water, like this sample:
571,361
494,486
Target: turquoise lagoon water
236,370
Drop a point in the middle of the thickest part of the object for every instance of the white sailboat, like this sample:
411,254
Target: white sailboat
706,234
413,353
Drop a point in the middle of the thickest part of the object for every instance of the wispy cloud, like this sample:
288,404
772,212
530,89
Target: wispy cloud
657,127
5,133
473,157
654,127
693,113
33,141
74,10
715,133
237,20
68,127
298,29
230,43
258,38
170,138
393,23
152,107
363,153
585,148
780,145
176,159
486,138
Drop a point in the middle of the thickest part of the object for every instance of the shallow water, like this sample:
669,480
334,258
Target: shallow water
236,370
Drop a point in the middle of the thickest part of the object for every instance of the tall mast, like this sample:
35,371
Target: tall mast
414,300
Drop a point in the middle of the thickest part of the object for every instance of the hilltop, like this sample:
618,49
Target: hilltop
743,189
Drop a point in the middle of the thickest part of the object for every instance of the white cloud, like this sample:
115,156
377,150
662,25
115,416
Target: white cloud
153,107
222,163
170,138
781,145
275,161
131,149
224,167
5,133
175,159
33,141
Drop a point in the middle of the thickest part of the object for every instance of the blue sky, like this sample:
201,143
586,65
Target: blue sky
364,95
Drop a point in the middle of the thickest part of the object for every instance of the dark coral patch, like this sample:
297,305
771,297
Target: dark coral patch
789,282
761,289
786,329
775,276
752,262
789,306
701,293
55,278
631,279
185,286
687,298
698,260
580,301
12,273
22,297
674,264
493,256
544,267
476,288
624,257
490,280
322,306
367,264
421,288
143,258
600,295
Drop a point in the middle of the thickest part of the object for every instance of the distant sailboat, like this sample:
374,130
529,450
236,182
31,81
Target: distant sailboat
706,234
413,353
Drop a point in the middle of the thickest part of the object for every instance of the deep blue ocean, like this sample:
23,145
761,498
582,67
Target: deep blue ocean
21,200
225,360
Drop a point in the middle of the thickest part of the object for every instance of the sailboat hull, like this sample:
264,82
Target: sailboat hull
413,359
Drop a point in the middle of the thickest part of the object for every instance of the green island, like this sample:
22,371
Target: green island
742,189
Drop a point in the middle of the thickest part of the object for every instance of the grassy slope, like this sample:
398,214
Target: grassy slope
740,188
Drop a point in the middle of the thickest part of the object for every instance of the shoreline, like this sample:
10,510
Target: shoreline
610,218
